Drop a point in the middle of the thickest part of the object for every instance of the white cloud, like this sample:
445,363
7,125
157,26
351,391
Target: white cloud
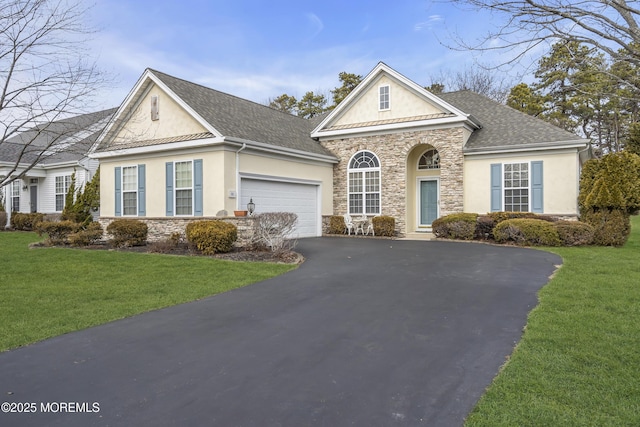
428,24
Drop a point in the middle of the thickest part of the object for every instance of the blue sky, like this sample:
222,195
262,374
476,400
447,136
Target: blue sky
259,49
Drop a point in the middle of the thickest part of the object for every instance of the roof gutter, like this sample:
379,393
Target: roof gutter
238,175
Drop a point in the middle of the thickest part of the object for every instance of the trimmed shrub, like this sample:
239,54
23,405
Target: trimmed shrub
611,228
3,220
336,224
575,233
460,226
484,227
57,232
211,236
128,232
527,232
25,221
384,226
89,235
498,217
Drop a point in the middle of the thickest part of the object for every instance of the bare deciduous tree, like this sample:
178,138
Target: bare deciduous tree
607,26
273,230
45,76
477,79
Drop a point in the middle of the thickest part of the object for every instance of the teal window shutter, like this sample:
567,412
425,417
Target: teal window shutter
197,187
118,210
169,189
496,187
142,206
537,194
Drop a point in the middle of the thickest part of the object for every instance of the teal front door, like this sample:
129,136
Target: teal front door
428,202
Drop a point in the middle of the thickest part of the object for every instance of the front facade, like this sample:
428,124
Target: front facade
52,155
177,151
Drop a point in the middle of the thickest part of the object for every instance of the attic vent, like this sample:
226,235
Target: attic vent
155,108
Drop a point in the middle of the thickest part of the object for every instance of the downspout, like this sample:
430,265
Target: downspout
244,145
588,147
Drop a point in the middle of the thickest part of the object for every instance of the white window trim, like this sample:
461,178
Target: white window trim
16,184
420,158
504,187
176,188
122,207
380,98
364,192
65,184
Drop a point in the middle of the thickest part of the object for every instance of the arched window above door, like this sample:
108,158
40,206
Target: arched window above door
430,159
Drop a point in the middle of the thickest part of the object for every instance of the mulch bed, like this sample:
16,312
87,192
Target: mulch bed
182,249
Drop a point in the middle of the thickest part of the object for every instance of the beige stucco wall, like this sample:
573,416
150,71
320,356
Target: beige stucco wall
173,120
295,170
219,177
403,102
560,185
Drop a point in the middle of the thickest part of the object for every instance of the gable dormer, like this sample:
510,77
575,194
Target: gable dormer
384,101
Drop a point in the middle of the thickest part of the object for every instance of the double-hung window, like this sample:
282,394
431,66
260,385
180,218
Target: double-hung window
130,190
15,196
62,187
385,100
516,187
184,188
364,183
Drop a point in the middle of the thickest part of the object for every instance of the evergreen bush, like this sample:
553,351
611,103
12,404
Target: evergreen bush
25,221
128,232
575,233
527,232
57,232
611,228
88,235
384,226
211,236
336,224
460,226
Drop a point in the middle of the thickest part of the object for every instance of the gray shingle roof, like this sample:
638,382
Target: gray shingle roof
240,118
62,141
504,126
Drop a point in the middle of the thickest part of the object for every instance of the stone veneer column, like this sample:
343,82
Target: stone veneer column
393,150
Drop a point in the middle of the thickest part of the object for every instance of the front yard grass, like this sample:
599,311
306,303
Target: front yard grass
46,292
578,363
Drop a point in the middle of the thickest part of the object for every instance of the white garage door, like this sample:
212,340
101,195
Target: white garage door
276,196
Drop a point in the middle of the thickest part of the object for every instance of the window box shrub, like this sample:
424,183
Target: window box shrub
460,226
211,236
127,232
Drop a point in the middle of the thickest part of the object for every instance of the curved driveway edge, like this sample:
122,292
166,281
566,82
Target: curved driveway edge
365,333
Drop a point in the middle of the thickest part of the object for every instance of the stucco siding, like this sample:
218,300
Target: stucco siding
403,103
173,120
560,180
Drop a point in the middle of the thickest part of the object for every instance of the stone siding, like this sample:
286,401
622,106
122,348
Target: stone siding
163,228
393,150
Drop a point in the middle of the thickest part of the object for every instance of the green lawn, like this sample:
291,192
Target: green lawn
578,363
46,292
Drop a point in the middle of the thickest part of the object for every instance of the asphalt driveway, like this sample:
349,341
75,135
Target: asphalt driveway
364,333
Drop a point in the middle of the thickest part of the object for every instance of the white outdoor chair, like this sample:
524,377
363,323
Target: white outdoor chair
370,226
348,223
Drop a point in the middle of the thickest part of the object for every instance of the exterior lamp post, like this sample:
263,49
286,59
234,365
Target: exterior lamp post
251,206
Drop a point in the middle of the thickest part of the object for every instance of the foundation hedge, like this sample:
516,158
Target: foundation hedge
57,232
527,232
611,228
26,221
211,236
460,226
127,232
575,233
336,224
384,226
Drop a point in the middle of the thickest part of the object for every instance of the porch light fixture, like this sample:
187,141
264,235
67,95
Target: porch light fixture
251,206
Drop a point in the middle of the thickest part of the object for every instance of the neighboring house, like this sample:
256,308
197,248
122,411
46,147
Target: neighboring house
56,151
178,150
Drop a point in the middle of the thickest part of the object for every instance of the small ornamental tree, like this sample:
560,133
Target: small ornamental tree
79,204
